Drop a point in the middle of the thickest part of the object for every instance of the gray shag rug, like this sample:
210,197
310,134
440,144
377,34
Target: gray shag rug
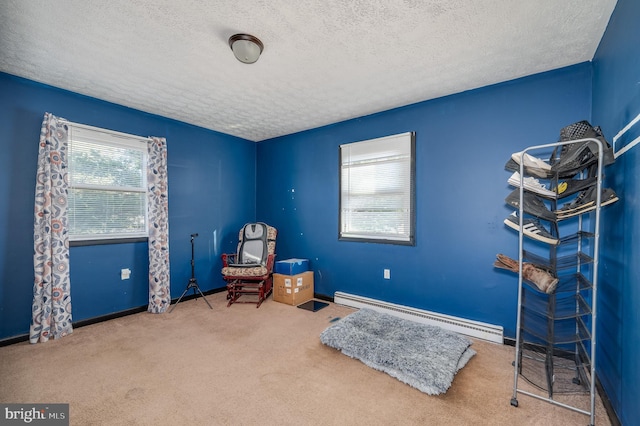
420,355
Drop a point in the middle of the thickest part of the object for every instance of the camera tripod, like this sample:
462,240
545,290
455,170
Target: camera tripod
193,283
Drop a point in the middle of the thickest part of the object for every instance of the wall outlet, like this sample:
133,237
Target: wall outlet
387,274
125,274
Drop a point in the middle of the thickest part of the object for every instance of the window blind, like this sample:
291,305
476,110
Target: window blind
107,185
376,189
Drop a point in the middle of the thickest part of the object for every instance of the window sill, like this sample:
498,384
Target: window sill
374,240
80,243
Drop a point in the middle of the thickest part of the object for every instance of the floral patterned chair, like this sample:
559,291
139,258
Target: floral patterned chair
249,272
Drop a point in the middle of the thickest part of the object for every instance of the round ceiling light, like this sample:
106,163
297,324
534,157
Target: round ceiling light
246,48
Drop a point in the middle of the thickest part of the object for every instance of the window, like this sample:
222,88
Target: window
107,184
377,190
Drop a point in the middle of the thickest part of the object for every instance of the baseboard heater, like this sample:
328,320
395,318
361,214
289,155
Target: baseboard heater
490,332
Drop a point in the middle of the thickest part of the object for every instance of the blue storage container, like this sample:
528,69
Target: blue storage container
291,266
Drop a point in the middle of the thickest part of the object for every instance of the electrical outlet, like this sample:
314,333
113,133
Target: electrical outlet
387,274
125,274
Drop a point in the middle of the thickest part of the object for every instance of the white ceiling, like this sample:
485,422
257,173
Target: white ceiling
323,62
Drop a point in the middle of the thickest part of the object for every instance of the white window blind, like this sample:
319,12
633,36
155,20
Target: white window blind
107,184
377,189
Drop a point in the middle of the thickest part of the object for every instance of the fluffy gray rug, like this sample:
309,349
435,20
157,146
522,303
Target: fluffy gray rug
423,356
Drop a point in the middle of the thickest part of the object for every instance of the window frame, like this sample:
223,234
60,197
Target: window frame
410,240
106,137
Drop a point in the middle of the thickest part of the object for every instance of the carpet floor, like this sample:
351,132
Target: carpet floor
246,366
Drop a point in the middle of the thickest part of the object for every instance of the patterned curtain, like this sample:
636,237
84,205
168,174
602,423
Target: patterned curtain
158,207
51,308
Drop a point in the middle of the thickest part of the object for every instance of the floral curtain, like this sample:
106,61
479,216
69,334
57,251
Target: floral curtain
158,208
51,307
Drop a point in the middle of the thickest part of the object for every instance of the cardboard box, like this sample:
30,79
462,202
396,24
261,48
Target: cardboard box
291,266
293,289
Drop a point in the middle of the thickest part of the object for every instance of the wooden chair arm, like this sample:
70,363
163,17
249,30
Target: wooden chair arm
270,261
228,258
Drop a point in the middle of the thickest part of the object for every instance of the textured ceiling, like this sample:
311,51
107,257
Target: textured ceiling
323,62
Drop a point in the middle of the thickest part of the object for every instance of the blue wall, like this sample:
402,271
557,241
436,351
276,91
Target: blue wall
616,101
210,192
462,144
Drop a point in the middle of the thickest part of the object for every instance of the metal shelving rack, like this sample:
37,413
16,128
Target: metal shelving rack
556,333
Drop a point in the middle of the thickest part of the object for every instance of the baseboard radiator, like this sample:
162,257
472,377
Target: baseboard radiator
490,332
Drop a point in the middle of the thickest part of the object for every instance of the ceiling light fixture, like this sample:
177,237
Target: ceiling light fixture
246,48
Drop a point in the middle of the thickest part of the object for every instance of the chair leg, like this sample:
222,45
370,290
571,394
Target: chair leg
238,288
260,299
232,293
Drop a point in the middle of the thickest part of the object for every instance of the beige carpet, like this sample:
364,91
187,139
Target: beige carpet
248,366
